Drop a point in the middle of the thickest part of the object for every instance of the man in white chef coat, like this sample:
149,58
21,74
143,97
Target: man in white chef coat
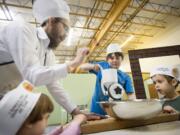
26,52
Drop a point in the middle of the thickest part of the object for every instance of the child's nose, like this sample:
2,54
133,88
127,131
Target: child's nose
114,60
156,86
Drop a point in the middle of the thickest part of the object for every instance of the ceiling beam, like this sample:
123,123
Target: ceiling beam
88,8
29,7
85,15
124,26
96,17
112,16
15,5
157,8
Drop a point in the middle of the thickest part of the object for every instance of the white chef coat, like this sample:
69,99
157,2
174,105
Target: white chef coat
27,47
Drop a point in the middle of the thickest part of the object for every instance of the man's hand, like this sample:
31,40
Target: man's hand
94,116
81,53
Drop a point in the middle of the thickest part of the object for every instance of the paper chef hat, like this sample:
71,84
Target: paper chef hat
15,107
173,71
43,9
112,48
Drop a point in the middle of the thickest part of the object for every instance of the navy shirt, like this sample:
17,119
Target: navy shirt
98,95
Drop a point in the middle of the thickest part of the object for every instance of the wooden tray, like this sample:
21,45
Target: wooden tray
115,124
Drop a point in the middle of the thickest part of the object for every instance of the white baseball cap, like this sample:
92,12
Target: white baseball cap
15,107
169,71
43,9
112,48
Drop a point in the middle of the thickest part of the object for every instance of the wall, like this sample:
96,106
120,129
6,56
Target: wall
167,37
147,64
79,88
125,65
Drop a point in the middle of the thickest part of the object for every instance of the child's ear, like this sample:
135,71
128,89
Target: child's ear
174,82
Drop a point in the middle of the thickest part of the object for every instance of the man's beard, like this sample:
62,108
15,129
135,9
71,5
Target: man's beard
53,44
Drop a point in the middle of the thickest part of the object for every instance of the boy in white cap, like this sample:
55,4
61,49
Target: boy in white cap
114,58
30,50
23,112
166,80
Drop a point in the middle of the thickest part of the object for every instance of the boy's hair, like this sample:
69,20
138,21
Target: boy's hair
170,78
44,105
117,55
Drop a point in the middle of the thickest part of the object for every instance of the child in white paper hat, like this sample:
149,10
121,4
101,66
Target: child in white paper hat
166,80
23,112
114,58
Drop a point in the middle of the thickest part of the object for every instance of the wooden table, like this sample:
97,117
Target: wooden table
112,124
168,128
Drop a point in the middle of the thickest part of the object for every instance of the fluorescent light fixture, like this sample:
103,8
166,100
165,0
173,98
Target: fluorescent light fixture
69,39
128,39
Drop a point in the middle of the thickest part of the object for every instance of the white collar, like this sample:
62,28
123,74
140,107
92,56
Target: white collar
43,36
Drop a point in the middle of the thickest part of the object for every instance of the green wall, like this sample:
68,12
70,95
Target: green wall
79,87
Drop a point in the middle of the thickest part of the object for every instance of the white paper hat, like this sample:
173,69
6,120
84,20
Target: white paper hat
112,48
162,70
15,107
43,9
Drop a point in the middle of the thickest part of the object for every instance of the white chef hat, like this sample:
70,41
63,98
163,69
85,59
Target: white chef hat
15,107
112,48
43,9
169,71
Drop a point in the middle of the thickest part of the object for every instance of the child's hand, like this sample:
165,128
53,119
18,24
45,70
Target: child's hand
96,67
169,109
80,118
